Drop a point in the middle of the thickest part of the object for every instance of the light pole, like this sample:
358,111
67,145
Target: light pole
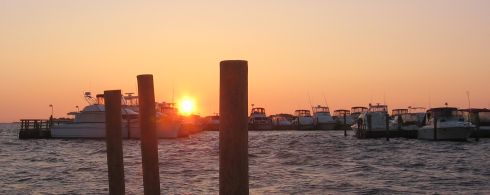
78,109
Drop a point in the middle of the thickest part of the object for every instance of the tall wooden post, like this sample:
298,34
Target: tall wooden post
149,139
113,120
435,128
233,132
345,124
387,127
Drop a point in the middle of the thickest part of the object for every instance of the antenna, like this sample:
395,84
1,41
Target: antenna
325,99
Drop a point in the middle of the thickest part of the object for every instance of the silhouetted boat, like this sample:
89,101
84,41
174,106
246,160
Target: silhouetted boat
343,119
372,123
322,120
282,121
258,120
303,120
450,125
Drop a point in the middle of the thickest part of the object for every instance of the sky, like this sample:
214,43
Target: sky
342,53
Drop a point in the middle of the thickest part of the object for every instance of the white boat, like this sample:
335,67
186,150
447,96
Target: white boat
343,118
303,120
322,120
450,125
90,123
356,111
403,119
282,121
258,120
480,118
372,123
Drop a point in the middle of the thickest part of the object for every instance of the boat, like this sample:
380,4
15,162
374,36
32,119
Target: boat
448,123
480,117
372,123
322,120
258,120
407,119
90,122
343,119
211,123
282,121
303,120
356,111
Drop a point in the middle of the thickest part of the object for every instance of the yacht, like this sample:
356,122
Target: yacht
480,118
343,118
90,122
258,120
322,120
282,121
405,119
356,111
372,123
303,120
450,125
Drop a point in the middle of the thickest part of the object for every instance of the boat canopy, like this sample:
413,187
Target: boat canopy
341,112
378,108
130,100
258,111
395,112
445,112
302,113
320,109
358,109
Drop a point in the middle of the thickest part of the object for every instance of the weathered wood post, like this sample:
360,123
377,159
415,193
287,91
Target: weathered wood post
477,123
233,131
345,124
113,119
435,128
387,127
149,139
369,124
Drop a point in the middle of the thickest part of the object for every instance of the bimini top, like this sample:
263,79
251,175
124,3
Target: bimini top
302,113
378,108
399,111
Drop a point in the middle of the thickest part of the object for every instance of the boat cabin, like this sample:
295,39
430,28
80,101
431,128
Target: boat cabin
378,108
444,113
396,112
257,111
341,113
131,100
302,113
358,110
320,109
470,115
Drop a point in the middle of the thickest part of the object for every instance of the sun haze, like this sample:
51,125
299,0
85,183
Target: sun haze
351,53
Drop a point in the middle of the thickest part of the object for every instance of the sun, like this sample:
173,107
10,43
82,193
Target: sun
187,106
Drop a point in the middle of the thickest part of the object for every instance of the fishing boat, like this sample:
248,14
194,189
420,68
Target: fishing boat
343,119
258,120
322,120
282,121
372,123
303,120
448,123
480,117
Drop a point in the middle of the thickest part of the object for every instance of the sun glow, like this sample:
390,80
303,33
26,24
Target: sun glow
187,106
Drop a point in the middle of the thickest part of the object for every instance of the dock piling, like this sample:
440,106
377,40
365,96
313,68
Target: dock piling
113,136
149,139
435,128
345,125
233,131
387,127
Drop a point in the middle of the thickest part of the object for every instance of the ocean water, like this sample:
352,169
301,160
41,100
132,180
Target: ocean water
287,162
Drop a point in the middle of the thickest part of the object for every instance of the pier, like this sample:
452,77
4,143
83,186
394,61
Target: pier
35,128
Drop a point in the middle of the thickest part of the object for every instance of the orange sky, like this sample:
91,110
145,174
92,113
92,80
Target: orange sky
353,52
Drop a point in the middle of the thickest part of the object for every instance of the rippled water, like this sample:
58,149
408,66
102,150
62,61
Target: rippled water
288,162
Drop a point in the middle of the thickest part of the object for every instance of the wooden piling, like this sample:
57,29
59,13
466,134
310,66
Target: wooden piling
387,127
233,133
477,124
435,128
113,139
345,125
369,120
149,139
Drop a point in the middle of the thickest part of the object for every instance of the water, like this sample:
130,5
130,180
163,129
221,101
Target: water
289,162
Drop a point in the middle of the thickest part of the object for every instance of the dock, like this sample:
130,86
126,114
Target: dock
35,128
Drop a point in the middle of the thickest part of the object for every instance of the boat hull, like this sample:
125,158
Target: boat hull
447,133
325,126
